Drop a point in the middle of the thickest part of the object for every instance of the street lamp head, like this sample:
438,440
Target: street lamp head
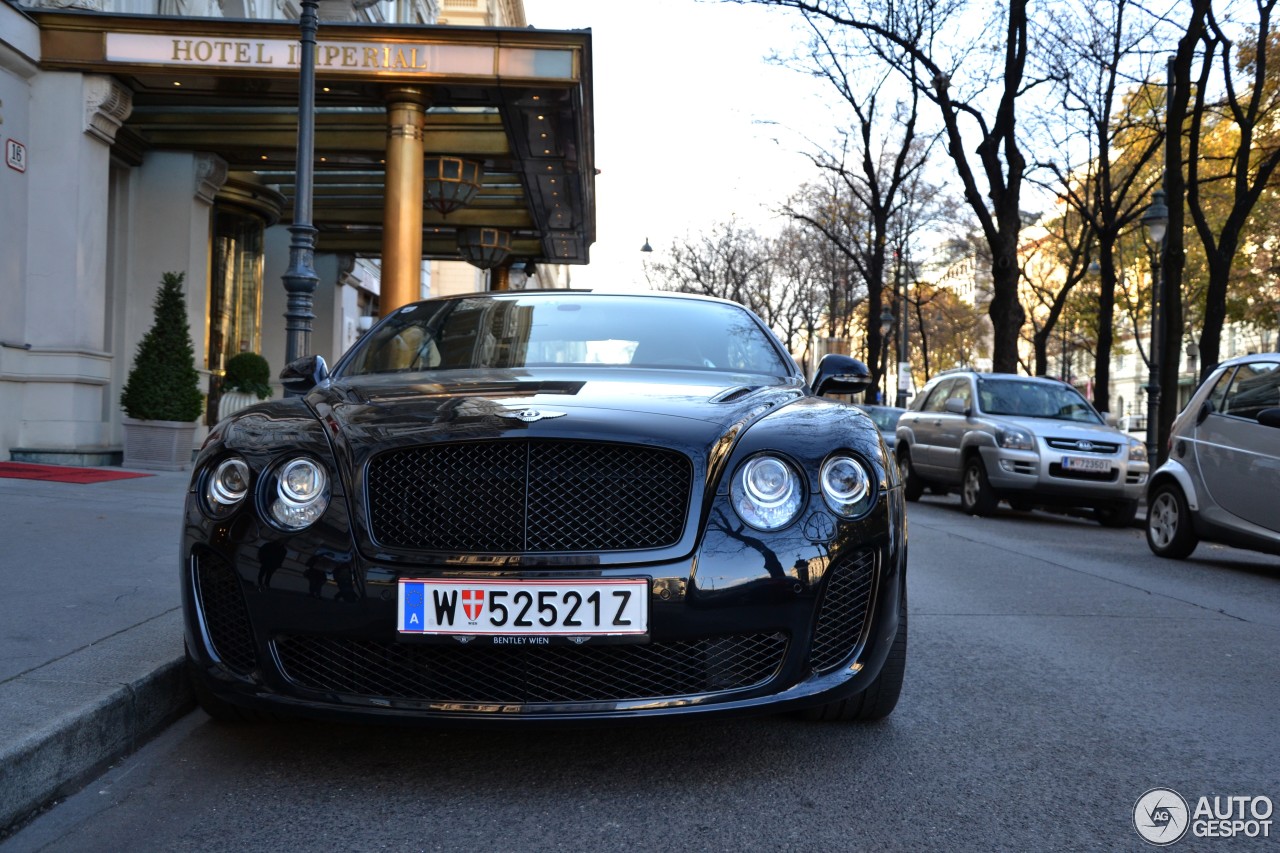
886,321
1156,217
646,247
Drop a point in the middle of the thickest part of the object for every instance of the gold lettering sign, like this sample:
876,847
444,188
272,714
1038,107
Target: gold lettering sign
373,58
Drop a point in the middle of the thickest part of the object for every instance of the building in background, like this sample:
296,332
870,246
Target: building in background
146,136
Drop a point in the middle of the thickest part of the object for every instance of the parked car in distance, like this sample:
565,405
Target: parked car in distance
1031,441
1221,482
886,420
550,506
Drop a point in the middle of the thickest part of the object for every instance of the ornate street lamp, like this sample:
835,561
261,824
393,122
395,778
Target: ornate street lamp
1156,220
485,248
646,247
450,183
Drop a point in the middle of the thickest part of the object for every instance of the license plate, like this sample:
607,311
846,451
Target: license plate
526,611
1084,463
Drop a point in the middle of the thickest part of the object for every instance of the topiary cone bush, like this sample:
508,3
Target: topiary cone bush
248,373
163,384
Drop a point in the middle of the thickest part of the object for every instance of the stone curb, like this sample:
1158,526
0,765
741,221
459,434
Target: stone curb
67,720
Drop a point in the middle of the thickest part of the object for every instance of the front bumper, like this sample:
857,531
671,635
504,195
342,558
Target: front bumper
742,627
1040,475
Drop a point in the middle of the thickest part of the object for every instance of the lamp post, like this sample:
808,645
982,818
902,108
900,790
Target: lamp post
1155,219
900,297
300,278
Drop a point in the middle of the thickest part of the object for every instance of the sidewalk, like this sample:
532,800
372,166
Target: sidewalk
90,631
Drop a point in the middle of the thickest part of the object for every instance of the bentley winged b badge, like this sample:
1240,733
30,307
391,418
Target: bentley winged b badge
531,415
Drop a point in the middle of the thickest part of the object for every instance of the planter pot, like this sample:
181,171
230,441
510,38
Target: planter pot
233,401
158,445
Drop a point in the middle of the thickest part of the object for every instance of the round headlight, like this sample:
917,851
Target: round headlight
766,493
227,486
300,494
846,485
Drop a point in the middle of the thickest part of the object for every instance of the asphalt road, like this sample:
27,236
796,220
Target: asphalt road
1057,671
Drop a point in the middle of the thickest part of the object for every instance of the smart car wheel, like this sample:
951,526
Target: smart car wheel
1117,515
976,495
1169,528
912,485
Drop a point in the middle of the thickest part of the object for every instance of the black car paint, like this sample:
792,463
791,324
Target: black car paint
722,575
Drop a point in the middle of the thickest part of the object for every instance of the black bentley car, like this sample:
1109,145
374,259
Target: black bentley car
556,505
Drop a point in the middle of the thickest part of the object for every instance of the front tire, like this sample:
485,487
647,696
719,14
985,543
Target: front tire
1119,515
1169,528
912,485
976,495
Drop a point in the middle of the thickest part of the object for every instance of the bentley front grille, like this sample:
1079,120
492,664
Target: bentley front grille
226,617
842,613
531,674
529,495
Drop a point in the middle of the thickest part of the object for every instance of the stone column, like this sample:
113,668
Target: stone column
402,216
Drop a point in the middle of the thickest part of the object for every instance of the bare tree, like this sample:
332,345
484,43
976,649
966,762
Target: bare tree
976,88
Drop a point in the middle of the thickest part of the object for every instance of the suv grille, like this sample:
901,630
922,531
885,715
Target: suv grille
531,674
1082,446
512,496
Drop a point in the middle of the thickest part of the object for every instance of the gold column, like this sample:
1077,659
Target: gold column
402,214
500,277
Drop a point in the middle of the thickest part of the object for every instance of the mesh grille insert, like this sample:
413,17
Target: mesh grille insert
531,674
514,496
226,617
843,611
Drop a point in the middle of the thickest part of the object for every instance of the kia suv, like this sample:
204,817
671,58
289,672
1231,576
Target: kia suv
1031,441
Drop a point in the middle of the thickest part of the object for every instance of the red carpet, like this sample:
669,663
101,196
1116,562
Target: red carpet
63,473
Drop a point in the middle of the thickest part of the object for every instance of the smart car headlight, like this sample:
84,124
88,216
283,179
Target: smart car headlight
1137,451
1015,438
227,486
767,493
846,485
298,493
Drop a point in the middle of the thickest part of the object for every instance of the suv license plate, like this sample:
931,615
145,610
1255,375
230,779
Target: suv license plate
1083,463
516,612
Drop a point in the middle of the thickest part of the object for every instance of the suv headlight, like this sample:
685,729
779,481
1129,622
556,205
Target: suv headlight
846,485
1137,451
766,492
297,493
1015,438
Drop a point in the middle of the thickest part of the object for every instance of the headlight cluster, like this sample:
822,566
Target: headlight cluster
768,493
1137,451
1015,438
294,494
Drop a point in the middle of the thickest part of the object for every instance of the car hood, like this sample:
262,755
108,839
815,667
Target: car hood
682,408
1051,428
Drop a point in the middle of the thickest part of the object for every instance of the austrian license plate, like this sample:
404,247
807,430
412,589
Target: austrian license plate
526,611
1085,463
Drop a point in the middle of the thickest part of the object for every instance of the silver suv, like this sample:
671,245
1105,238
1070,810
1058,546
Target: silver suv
1028,440
1222,477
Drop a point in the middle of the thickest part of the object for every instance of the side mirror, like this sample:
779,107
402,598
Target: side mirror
1206,409
956,406
1269,417
302,375
840,374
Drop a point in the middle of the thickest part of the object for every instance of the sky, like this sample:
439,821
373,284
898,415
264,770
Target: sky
692,124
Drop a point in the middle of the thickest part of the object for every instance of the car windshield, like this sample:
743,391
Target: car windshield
885,419
1024,398
563,329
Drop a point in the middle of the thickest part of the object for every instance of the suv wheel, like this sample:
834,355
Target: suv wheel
1169,530
912,485
976,495
1117,515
